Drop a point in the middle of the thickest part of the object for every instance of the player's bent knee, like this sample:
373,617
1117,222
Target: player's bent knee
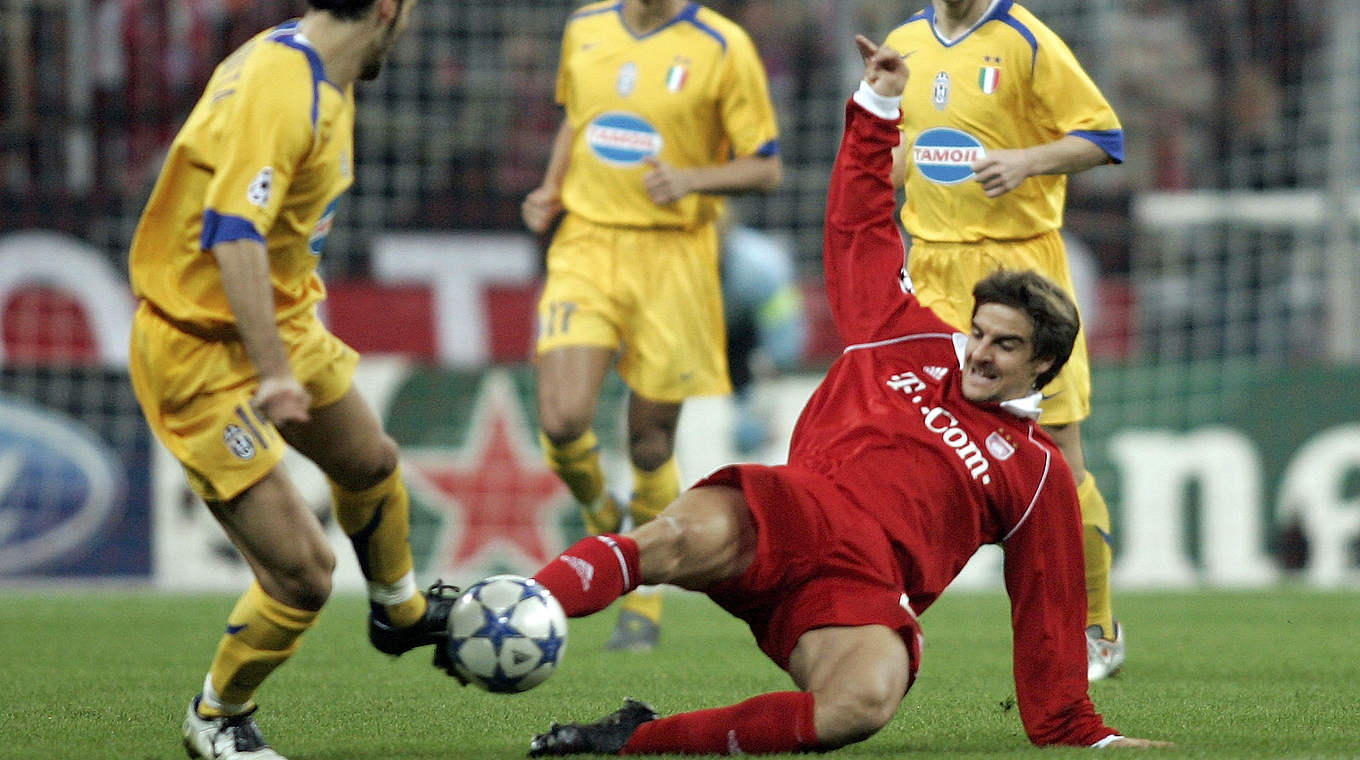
661,544
563,427
650,449
307,582
649,457
704,537
364,466
848,715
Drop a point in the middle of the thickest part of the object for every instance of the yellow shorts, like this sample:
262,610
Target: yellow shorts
195,393
652,294
943,275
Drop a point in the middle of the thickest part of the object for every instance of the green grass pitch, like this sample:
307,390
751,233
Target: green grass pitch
108,674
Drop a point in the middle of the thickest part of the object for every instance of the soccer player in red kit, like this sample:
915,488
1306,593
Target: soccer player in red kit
921,445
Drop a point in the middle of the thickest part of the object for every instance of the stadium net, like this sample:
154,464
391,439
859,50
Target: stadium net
1226,245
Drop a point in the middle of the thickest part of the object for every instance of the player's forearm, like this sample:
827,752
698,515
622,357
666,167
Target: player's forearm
740,175
861,189
1045,580
245,279
1066,155
560,157
899,165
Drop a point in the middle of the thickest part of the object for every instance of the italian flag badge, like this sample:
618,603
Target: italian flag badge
988,78
675,78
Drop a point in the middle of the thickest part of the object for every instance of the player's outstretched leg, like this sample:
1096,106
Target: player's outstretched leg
765,724
605,736
228,737
592,573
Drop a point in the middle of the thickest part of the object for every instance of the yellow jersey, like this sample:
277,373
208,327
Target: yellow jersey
691,93
264,155
1009,82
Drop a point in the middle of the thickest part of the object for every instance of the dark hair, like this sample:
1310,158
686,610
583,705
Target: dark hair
1048,307
348,10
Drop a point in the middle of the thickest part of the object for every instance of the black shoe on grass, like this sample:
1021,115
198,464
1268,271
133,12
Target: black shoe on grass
606,736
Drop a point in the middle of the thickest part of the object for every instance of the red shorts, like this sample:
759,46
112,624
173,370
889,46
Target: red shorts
820,561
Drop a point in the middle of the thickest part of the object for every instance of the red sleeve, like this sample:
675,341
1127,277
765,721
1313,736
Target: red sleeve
862,249
1045,578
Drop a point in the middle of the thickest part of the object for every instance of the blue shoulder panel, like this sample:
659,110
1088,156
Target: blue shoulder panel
286,34
1002,13
691,14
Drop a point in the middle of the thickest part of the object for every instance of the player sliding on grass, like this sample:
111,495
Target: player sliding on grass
921,445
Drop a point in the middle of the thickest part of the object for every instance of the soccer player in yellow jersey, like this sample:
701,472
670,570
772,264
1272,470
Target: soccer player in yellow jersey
667,108
995,116
230,362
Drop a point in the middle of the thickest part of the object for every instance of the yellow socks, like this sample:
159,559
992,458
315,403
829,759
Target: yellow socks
1095,523
645,601
652,492
578,465
377,521
262,633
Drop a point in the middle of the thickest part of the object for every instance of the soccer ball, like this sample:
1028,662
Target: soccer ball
506,634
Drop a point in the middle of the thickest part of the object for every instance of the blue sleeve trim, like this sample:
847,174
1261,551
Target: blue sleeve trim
223,228
1110,140
769,149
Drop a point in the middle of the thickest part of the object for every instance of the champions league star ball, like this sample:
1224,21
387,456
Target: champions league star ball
506,634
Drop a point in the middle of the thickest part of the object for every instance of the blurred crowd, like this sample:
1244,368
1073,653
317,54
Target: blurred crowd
463,125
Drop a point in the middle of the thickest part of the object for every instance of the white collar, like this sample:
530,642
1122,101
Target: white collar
987,14
1026,407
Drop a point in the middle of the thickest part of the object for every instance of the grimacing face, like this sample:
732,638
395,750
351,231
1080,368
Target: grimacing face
998,361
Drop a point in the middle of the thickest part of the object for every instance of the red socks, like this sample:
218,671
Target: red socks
592,573
778,722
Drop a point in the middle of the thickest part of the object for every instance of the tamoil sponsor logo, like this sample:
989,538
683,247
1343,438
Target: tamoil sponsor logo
622,139
945,155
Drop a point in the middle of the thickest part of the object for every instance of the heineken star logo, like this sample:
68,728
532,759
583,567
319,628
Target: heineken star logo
494,493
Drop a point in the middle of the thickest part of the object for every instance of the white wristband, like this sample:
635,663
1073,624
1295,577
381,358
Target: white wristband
882,106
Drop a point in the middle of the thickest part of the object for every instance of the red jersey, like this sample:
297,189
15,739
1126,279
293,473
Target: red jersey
890,426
